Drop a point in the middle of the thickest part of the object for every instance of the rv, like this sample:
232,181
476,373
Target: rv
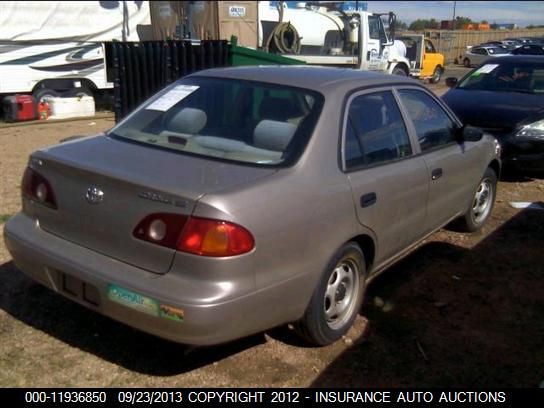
55,48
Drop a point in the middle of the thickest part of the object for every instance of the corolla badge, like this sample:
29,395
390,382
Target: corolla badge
94,195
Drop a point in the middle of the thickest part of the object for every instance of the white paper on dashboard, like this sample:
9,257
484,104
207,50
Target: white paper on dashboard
486,69
172,97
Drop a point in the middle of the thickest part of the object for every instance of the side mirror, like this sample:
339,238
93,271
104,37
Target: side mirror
470,134
451,82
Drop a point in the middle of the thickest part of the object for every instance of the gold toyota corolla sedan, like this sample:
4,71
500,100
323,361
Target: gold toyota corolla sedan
239,199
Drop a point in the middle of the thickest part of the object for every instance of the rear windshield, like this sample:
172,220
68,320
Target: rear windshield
228,119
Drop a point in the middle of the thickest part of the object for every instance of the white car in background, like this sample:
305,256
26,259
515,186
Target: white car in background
477,55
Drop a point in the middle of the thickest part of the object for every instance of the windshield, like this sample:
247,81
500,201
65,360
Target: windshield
506,77
227,119
497,50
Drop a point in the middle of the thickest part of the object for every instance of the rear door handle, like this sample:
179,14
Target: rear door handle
436,174
368,199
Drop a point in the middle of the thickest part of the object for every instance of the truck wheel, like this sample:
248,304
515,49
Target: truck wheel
399,71
42,93
337,299
466,62
482,203
437,74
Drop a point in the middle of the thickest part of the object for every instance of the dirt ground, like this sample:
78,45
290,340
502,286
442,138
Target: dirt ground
462,310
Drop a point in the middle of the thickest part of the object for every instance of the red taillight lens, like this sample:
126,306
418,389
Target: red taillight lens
162,229
37,188
202,236
199,236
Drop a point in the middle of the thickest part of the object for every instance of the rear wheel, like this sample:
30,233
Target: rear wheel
337,299
437,74
466,62
43,93
482,202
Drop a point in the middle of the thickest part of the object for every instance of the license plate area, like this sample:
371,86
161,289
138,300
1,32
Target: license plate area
77,288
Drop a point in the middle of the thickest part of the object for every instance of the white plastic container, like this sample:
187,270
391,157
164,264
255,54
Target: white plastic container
62,108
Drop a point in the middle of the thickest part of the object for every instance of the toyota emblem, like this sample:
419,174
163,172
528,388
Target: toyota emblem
94,195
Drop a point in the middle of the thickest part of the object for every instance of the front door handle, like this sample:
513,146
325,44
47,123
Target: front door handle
368,199
436,174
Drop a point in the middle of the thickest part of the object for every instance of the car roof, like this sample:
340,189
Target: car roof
534,59
310,77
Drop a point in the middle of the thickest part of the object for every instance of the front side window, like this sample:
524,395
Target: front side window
433,126
375,131
230,119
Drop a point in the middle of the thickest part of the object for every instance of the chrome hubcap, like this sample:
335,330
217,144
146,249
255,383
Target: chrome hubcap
341,294
481,205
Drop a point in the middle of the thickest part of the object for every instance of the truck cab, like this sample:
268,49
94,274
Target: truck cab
425,61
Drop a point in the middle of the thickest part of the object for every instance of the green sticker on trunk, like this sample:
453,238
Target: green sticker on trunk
133,300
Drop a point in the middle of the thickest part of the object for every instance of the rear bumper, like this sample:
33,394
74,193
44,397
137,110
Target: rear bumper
86,277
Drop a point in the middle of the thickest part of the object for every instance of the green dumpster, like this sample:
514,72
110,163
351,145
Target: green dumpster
239,56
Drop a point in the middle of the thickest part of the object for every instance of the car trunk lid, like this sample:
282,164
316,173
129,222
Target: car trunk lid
136,181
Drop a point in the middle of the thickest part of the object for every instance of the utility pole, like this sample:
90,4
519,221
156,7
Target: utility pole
453,21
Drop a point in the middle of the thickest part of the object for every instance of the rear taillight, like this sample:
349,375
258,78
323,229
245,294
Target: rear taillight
162,229
207,237
37,188
199,236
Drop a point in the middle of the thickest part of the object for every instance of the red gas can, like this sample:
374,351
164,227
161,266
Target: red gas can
19,107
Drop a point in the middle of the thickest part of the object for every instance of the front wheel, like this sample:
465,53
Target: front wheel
482,202
399,71
337,299
466,62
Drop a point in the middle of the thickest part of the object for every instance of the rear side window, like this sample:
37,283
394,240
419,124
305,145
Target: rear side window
375,131
434,127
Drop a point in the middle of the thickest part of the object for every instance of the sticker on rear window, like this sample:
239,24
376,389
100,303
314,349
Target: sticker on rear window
486,69
172,97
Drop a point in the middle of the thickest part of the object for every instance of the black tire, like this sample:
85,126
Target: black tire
42,93
482,203
437,74
399,71
345,280
466,62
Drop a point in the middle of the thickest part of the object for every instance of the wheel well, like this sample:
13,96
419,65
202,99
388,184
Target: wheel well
402,66
64,84
496,167
366,244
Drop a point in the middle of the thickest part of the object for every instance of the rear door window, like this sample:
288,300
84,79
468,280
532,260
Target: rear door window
375,131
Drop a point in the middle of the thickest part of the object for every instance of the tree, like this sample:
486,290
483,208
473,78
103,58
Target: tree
461,22
401,26
484,22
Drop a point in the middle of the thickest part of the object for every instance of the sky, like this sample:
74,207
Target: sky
522,13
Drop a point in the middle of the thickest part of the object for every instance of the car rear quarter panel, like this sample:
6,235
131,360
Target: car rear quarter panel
299,216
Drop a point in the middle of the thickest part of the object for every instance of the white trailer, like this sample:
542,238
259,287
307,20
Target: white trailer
51,48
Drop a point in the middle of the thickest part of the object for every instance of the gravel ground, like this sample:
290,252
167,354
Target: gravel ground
462,310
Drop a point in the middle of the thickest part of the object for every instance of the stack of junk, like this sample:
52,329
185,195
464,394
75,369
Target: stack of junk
25,107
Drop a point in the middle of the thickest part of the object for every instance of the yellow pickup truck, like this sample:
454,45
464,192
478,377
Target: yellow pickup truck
425,61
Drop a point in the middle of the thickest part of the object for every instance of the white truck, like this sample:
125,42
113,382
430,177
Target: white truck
52,48
326,35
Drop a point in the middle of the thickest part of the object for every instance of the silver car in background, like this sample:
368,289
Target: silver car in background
477,55
240,199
